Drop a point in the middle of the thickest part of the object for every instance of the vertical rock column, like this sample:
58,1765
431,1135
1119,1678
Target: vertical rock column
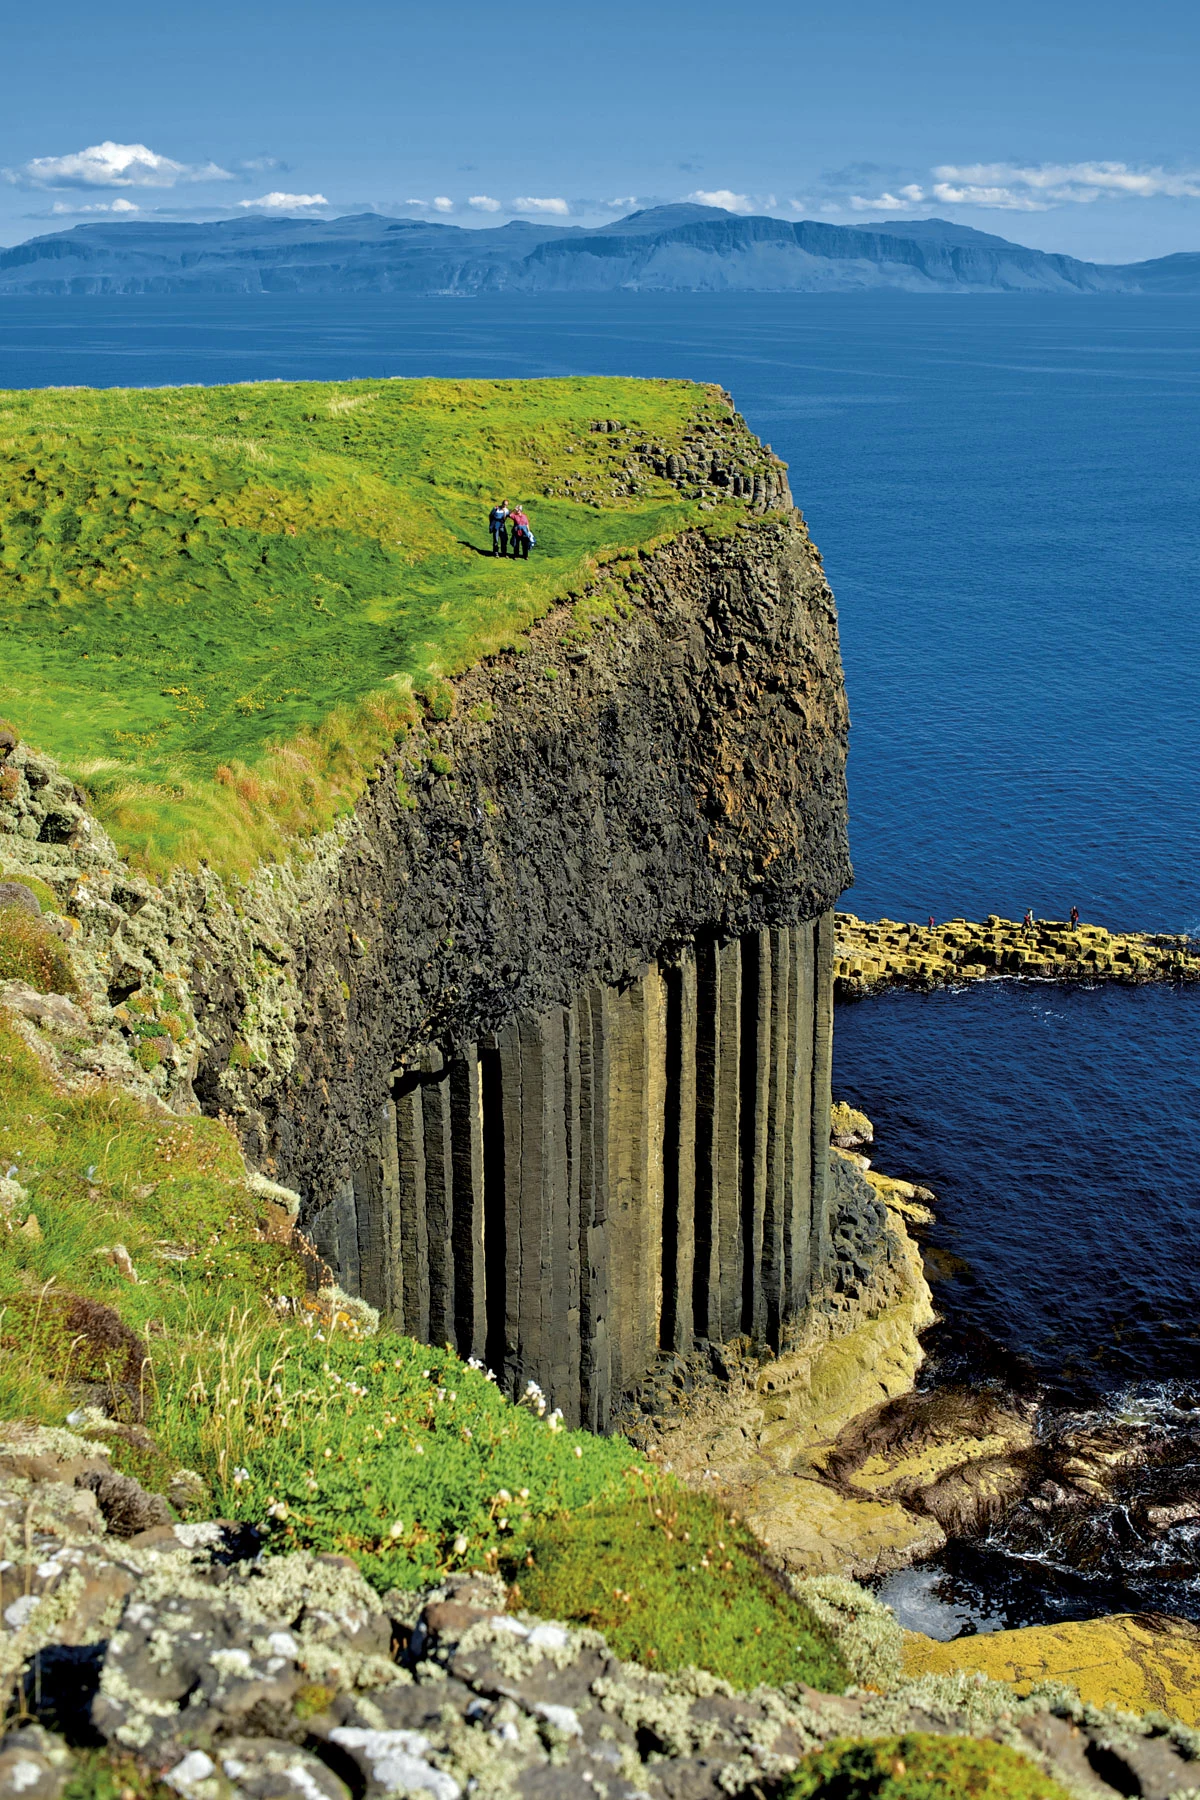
540,1343
757,1042
717,1272
391,1302
439,1196
414,1236
798,1212
638,1076
679,1156
592,1021
467,1240
822,1093
780,1099
431,1244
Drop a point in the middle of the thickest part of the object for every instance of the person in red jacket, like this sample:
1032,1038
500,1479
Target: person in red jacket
523,539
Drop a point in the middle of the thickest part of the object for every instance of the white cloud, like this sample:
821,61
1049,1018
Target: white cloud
724,197
277,202
111,165
484,203
624,203
442,203
973,194
526,203
1037,187
64,208
904,201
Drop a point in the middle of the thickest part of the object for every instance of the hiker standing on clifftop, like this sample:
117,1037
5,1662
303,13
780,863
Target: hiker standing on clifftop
496,525
523,539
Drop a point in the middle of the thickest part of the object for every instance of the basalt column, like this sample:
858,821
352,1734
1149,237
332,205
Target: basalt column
640,1170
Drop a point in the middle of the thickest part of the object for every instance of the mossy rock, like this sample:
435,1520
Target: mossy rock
674,1582
109,1774
919,1766
44,895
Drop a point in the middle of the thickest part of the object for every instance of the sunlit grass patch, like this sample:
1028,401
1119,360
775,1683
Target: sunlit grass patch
381,1448
108,1204
672,1580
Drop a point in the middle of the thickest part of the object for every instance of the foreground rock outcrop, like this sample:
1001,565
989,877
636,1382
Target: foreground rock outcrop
187,1658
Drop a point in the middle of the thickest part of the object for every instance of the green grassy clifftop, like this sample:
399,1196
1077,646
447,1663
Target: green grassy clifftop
217,604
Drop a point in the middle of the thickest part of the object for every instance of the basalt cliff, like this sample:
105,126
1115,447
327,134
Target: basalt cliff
540,1033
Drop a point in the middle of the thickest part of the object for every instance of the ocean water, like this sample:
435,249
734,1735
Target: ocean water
1006,490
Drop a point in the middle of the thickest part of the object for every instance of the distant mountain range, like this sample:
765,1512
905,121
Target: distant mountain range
675,249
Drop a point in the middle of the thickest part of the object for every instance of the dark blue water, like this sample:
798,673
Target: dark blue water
1007,494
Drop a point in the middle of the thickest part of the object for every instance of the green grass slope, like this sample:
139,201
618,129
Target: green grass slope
216,603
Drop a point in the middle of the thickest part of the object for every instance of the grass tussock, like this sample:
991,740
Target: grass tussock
920,1766
32,953
96,1190
673,1581
108,1774
216,604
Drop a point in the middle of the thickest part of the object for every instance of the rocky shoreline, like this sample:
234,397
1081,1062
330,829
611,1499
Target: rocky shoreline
879,954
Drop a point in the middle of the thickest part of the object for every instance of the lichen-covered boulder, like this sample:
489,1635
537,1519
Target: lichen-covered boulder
254,1769
203,1653
34,1764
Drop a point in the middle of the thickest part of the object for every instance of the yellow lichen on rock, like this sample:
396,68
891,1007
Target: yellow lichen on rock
1136,1661
849,1128
904,1197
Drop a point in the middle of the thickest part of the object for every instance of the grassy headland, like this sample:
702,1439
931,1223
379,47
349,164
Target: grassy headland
217,604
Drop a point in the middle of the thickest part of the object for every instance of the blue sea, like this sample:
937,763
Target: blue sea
1006,490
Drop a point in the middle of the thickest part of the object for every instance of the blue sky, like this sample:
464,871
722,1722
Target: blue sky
1068,126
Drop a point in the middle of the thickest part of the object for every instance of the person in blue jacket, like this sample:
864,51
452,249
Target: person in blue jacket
497,525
